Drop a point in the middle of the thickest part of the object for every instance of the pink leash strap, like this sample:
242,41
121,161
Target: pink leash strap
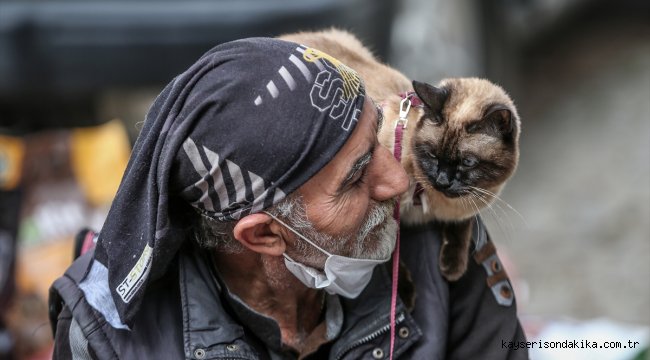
397,152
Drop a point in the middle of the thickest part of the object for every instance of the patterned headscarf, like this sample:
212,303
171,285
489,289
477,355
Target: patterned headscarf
250,122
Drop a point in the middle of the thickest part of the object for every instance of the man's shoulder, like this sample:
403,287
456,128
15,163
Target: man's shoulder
81,307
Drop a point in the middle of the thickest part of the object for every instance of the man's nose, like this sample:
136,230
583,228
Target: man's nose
388,176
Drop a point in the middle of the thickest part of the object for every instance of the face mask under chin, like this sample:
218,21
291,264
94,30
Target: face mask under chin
341,275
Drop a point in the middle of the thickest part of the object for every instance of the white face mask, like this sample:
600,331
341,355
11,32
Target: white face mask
342,275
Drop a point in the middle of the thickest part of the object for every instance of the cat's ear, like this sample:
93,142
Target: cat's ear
433,97
497,121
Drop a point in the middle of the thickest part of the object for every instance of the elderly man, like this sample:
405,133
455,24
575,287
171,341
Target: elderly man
249,224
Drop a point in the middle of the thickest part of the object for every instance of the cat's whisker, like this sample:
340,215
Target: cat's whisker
472,196
497,219
503,227
471,199
491,210
470,204
495,196
492,204
463,199
506,226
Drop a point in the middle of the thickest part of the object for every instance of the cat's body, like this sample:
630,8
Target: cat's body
461,146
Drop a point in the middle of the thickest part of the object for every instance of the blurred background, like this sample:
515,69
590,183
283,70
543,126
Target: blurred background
573,225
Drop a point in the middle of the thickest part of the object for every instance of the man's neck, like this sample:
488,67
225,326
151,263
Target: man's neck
264,283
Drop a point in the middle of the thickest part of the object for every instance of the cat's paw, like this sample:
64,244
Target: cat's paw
452,270
452,262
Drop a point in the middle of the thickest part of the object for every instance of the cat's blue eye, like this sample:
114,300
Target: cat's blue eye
469,162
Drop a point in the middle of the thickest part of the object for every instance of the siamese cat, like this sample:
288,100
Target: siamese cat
459,148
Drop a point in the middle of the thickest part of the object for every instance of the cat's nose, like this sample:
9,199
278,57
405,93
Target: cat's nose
442,180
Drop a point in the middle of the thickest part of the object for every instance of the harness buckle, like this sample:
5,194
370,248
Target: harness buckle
404,108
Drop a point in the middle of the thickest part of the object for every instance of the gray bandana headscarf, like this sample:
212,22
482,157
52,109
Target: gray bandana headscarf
250,122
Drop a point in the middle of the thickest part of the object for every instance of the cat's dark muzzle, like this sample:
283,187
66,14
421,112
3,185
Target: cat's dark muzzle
450,192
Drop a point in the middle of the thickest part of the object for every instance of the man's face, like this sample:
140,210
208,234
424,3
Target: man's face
349,202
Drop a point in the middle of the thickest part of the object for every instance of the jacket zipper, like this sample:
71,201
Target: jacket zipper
376,334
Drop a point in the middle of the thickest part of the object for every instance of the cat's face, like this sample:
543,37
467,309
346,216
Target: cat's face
467,138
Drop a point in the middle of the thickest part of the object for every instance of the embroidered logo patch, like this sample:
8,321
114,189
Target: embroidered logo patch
132,283
351,80
334,88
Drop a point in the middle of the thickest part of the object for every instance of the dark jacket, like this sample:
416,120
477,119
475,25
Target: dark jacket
184,317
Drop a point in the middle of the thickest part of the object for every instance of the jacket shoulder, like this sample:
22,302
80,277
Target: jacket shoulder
69,310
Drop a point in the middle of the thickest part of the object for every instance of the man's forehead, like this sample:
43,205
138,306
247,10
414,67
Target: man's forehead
358,145
374,111
379,112
368,122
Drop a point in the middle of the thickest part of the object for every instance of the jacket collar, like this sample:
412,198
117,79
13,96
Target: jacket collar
368,317
209,328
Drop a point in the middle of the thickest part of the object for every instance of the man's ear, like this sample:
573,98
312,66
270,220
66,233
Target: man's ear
256,233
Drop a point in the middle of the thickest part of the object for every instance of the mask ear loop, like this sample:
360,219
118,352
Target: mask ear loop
297,233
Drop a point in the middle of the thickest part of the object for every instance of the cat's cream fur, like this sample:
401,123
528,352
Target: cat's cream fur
467,102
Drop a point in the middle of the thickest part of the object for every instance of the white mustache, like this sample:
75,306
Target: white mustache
377,216
380,220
